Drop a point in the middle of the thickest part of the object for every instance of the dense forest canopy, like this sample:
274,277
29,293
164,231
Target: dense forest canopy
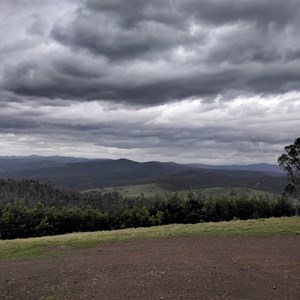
29,208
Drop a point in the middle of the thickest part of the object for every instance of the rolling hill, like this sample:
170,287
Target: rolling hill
83,174
206,178
263,167
34,162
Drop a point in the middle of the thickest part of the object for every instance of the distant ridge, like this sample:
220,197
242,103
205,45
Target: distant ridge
263,167
83,173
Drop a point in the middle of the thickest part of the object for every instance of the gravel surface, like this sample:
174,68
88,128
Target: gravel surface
176,268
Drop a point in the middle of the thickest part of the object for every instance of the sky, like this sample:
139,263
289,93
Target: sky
203,81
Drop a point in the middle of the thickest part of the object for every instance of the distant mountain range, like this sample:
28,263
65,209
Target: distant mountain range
82,173
33,162
253,167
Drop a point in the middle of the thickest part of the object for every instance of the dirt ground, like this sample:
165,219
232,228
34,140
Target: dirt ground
175,268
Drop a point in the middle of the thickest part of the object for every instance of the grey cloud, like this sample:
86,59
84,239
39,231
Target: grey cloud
154,131
137,132
242,44
149,52
43,80
100,35
265,12
218,12
11,123
136,12
69,66
71,82
142,77
275,79
38,26
119,29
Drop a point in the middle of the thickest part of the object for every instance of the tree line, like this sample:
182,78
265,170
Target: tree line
30,192
24,217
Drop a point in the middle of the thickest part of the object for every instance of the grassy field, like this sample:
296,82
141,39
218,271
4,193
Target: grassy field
56,245
151,189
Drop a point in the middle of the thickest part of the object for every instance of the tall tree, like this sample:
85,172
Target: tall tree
290,162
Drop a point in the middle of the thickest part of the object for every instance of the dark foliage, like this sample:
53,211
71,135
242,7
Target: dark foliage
31,192
290,162
27,217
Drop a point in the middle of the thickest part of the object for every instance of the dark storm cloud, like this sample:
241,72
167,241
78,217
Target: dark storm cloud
212,80
149,52
64,78
264,12
121,29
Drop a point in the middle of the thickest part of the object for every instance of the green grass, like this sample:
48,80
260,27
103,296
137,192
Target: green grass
56,245
151,189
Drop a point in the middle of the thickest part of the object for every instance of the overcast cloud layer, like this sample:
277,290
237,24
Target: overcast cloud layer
190,81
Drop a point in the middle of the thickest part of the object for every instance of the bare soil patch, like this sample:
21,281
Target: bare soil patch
177,268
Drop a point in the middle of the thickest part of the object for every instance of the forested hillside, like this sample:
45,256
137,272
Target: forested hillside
83,174
29,208
30,192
